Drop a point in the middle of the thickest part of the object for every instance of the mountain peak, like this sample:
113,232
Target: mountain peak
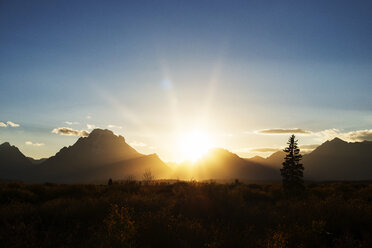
335,143
100,147
5,144
337,140
10,155
102,135
218,153
100,132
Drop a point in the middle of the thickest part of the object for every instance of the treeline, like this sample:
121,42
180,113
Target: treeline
185,214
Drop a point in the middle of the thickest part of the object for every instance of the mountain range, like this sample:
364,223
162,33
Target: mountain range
104,155
333,160
99,156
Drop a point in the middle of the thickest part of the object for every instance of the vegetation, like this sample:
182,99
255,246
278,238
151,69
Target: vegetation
185,214
292,171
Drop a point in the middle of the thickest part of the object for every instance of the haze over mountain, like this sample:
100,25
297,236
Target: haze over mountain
104,155
219,163
99,156
333,160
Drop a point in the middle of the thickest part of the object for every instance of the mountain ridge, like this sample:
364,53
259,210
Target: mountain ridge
103,154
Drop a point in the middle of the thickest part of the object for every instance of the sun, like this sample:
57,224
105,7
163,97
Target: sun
194,145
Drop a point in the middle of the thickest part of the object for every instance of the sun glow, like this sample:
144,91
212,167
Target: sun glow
194,145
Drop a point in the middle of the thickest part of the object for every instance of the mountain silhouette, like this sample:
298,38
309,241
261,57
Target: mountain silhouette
219,163
275,160
339,160
104,155
332,160
13,164
100,147
95,158
100,156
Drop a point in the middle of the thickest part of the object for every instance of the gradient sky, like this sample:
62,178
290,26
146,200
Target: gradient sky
154,70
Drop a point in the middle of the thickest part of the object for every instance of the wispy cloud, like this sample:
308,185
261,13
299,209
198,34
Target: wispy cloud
265,149
12,124
71,123
9,124
114,126
283,131
359,135
91,126
70,132
305,148
352,136
30,143
257,149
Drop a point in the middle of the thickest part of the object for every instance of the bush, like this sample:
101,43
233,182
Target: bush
185,214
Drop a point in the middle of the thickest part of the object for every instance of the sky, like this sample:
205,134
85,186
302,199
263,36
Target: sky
245,74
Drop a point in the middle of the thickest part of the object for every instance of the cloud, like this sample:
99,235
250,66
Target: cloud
272,149
9,124
71,123
91,126
70,132
352,136
360,135
114,126
327,134
257,149
283,131
138,144
30,143
12,124
265,149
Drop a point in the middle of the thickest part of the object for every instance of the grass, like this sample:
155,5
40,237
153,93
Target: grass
185,214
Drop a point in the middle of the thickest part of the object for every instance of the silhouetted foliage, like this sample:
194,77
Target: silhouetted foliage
292,171
147,176
120,227
185,214
109,182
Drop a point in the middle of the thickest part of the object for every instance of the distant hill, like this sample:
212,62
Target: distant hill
219,163
333,160
36,161
275,160
104,155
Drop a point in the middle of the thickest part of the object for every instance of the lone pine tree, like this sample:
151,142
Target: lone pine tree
292,171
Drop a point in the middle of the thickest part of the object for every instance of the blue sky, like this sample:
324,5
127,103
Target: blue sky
155,69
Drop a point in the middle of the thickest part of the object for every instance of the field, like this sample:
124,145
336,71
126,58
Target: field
185,214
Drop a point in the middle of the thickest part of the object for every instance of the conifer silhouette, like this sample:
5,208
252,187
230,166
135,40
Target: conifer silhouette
292,171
